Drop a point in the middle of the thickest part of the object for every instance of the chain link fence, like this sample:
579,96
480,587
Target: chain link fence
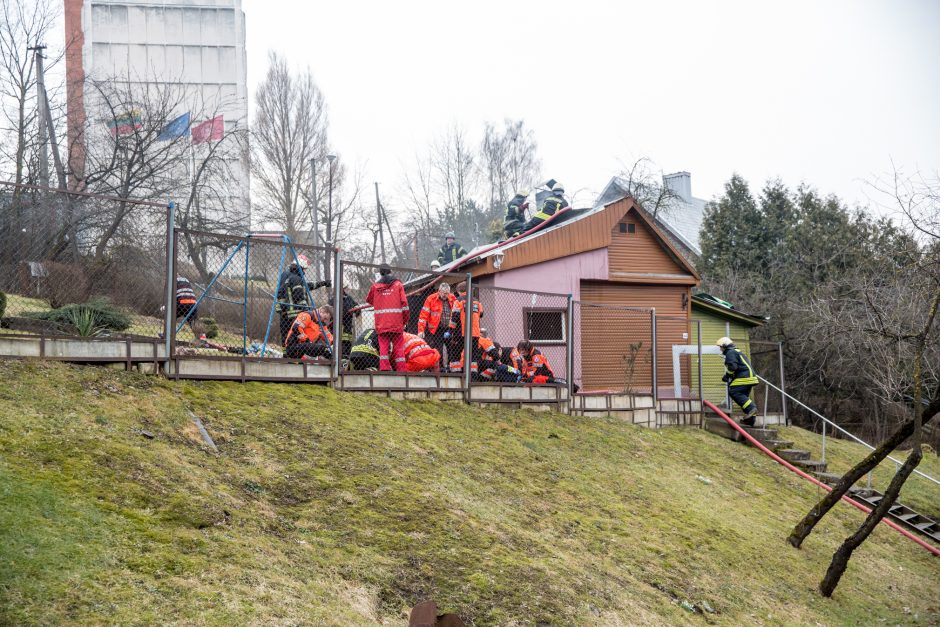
81,265
240,296
613,346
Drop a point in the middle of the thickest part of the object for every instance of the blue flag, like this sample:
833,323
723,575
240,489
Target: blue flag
176,128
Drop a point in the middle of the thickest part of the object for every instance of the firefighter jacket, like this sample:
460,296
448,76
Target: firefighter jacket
457,316
536,365
364,354
430,317
306,328
387,297
738,370
515,216
292,290
549,207
451,252
347,311
184,292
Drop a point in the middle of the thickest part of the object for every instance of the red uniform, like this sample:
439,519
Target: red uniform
418,355
387,297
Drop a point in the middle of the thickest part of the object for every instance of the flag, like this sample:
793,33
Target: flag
176,128
125,123
209,130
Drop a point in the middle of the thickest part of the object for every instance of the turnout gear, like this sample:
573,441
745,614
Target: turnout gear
184,292
740,377
301,261
292,295
308,336
348,305
433,310
451,252
551,205
364,354
387,297
514,221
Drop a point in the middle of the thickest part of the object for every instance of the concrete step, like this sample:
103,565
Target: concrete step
829,478
762,434
776,445
810,465
719,427
792,454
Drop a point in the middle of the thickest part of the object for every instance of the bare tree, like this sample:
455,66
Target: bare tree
508,160
289,130
644,181
23,23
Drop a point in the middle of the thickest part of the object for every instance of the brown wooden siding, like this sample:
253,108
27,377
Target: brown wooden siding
616,344
639,252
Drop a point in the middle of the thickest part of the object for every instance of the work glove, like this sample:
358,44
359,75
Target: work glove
421,334
323,283
727,378
446,335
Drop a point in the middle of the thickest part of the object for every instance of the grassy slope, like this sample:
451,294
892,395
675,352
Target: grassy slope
330,508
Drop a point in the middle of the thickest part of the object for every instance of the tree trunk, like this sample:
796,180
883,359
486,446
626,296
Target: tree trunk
840,558
805,526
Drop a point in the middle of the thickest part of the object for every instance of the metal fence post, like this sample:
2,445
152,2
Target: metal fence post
468,334
824,442
653,365
339,322
701,389
783,385
569,356
170,320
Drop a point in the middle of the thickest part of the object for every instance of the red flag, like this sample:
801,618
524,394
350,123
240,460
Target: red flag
209,130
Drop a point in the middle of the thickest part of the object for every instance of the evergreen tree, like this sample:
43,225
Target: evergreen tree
730,230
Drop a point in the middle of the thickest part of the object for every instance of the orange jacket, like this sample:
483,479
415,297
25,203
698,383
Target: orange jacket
306,329
430,316
536,365
458,313
487,350
414,346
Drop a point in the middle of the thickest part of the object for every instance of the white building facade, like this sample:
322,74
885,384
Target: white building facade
194,46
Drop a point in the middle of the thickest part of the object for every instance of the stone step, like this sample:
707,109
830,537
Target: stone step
792,454
830,478
925,527
812,465
776,445
762,434
719,427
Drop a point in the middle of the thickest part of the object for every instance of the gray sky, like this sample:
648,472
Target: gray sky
822,92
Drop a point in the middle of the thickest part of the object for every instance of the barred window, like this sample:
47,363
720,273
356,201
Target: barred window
545,326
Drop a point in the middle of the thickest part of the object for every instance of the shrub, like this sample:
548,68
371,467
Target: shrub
211,327
99,315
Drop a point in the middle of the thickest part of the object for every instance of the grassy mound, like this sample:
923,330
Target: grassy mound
330,508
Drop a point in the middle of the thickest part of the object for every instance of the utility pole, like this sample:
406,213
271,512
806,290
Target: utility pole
378,210
42,105
314,229
329,220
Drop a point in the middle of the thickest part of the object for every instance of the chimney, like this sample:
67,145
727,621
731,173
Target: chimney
679,183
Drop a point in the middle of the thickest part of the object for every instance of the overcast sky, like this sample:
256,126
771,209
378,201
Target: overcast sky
823,92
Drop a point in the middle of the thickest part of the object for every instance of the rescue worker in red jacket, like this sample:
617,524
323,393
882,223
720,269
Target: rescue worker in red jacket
434,319
390,305
309,335
419,356
458,323
536,368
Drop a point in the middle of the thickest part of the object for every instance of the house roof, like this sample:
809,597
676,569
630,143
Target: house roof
705,302
575,231
683,220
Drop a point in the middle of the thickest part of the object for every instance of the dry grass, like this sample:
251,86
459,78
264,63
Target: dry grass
343,509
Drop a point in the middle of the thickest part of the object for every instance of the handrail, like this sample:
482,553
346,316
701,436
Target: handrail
852,436
750,438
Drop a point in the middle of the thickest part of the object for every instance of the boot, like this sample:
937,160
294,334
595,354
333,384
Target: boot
748,421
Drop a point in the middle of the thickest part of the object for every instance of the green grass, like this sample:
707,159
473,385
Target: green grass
341,509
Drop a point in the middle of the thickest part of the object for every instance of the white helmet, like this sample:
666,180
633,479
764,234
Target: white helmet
724,342
435,264
558,188
303,262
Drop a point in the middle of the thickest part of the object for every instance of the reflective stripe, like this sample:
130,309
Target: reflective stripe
426,309
364,348
385,311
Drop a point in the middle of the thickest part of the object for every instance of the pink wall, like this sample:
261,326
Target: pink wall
504,316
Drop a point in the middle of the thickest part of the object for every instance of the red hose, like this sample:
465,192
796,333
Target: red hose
809,477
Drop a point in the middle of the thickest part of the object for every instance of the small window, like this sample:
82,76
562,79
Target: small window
626,227
545,326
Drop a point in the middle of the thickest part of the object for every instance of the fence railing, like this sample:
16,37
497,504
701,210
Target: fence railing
81,265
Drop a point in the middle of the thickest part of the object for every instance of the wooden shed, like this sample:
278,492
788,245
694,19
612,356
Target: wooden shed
618,266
